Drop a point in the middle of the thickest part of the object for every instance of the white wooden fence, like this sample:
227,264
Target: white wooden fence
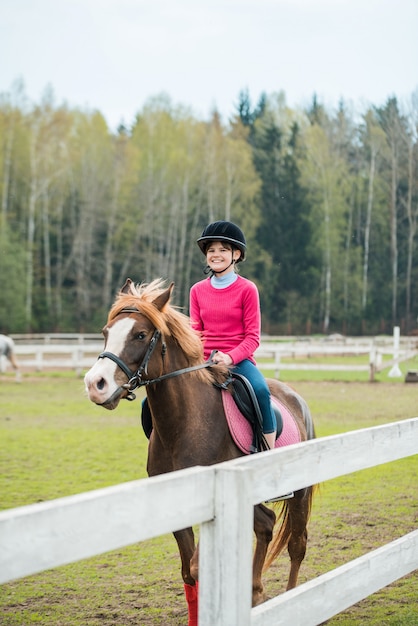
73,356
78,352
220,498
375,365
375,348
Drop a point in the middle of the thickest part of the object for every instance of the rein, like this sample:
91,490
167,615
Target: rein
135,379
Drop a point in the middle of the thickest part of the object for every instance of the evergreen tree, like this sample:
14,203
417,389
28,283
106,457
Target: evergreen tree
284,231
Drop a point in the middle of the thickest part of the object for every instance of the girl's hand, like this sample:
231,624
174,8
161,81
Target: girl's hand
221,357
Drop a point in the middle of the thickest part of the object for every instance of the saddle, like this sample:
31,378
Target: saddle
246,401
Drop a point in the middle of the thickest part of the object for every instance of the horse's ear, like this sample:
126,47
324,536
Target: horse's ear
161,300
127,286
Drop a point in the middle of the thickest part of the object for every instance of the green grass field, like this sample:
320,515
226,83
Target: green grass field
54,442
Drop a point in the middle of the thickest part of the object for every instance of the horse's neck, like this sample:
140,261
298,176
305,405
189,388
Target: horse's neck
188,425
178,394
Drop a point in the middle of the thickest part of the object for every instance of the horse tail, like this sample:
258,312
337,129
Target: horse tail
300,504
283,533
280,537
307,420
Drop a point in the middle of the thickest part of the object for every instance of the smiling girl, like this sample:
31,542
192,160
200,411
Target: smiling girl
225,309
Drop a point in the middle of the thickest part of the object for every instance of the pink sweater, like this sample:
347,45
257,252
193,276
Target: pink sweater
229,319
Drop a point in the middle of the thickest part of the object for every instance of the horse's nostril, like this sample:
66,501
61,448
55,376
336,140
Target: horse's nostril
101,384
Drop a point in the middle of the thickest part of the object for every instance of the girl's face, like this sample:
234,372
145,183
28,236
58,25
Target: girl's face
220,257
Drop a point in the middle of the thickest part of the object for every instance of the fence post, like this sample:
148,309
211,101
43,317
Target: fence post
372,363
78,355
225,553
277,363
38,358
395,371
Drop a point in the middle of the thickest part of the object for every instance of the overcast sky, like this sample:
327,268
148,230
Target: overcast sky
113,55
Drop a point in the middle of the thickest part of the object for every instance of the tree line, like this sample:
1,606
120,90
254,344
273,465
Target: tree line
328,200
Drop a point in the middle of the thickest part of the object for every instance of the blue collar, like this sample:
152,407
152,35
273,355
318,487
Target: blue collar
220,282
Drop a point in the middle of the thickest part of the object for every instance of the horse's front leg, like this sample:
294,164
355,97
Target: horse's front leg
189,572
264,520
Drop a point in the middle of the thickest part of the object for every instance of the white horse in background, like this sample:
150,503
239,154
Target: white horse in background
7,352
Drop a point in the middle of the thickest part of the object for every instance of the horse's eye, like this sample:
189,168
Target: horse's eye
140,336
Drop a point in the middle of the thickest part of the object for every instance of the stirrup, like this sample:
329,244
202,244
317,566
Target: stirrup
286,496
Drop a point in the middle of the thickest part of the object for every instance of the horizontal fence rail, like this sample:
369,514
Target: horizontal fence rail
76,357
376,362
78,352
220,498
344,586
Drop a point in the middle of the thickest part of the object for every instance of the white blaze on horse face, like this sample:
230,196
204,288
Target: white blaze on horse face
116,338
100,379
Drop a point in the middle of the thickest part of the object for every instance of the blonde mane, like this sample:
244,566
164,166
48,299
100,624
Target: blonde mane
169,321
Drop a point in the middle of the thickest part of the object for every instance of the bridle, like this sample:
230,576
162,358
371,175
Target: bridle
135,379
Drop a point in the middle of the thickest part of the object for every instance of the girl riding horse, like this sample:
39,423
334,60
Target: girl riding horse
149,343
225,310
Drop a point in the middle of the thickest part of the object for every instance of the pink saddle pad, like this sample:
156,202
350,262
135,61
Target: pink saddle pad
241,430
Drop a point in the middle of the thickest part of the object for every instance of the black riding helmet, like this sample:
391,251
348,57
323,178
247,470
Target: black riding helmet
223,231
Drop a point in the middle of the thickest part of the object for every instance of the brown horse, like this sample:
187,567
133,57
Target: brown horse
149,342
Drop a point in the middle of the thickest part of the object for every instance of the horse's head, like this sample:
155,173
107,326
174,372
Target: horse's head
134,328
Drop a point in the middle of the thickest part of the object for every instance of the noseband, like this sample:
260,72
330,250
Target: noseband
135,378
